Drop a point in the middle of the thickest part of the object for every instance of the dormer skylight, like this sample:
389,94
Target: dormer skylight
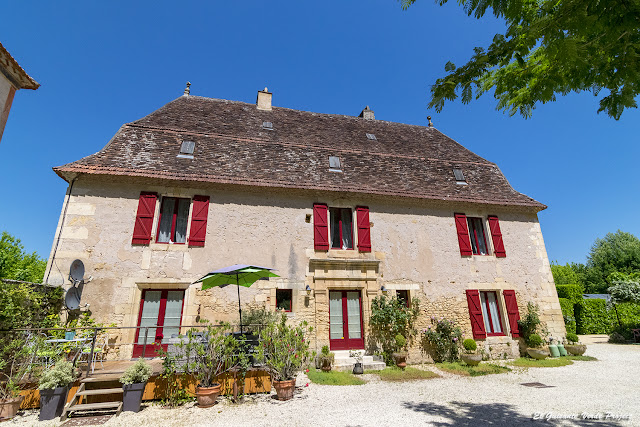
186,150
334,164
460,179
371,137
267,125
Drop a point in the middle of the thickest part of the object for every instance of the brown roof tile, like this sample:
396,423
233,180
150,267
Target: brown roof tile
232,147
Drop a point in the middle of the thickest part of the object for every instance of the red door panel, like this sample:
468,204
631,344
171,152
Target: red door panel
346,330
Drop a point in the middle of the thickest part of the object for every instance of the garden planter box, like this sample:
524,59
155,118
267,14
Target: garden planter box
52,402
132,396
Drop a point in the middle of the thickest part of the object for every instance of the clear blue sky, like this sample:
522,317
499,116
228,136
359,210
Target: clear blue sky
102,64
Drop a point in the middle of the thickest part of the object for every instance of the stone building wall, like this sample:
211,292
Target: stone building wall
414,247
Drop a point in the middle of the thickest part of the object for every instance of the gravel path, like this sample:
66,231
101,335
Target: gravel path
609,385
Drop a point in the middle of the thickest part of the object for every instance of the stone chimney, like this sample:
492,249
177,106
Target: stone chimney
367,114
264,100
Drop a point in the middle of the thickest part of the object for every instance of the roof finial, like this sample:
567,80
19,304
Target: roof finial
187,90
430,124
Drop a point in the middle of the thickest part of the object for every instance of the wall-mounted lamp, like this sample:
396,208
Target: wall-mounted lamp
308,289
383,289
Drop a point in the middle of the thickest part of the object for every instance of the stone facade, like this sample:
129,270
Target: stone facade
414,248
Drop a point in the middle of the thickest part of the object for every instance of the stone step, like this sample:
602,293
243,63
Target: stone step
100,391
372,366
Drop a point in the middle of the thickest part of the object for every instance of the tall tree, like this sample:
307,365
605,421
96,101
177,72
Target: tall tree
17,264
564,275
616,252
550,47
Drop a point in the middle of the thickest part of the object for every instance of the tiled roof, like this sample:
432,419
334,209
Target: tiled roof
231,146
14,72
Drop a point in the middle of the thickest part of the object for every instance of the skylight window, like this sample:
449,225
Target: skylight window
334,164
371,137
460,179
267,125
186,149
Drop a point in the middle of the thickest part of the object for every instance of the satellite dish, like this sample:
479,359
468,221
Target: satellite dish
76,272
72,299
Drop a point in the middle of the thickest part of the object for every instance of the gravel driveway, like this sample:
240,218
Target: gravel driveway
609,386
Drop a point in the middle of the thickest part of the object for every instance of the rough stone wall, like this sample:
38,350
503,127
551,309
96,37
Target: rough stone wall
414,243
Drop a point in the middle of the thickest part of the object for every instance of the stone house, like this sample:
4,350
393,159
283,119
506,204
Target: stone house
345,209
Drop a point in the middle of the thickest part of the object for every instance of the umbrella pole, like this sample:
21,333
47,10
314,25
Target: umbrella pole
239,307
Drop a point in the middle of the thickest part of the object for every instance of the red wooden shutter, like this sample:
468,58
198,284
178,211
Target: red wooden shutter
364,229
463,235
475,313
199,220
144,218
512,311
320,227
496,236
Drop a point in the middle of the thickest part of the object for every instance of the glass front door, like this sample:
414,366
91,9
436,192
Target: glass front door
345,320
159,319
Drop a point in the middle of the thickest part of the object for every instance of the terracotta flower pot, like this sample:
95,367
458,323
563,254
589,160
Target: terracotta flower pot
537,353
576,349
472,359
9,407
284,389
206,396
401,360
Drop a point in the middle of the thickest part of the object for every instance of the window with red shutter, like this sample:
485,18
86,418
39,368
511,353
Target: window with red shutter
144,218
320,227
475,314
199,216
364,229
463,235
512,311
496,236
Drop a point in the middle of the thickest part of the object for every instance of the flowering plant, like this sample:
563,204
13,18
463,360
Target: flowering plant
442,338
284,349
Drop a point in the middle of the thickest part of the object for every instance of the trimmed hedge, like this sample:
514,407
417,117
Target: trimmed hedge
593,317
570,292
568,314
629,317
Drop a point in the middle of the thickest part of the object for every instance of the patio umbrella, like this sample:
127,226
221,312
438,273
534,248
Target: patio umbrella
238,274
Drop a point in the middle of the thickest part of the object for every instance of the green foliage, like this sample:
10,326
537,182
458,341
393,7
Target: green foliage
625,291
15,366
568,314
59,375
527,362
572,337
257,317
16,264
28,306
326,357
615,253
549,48
616,338
139,372
530,323
472,371
572,292
284,349
334,378
409,373
390,317
401,342
211,354
564,275
534,341
325,350
581,358
174,383
442,339
470,345
593,317
629,314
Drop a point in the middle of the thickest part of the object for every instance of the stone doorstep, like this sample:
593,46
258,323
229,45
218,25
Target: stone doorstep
373,366
343,362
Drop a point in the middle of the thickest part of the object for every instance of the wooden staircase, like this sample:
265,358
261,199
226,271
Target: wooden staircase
75,404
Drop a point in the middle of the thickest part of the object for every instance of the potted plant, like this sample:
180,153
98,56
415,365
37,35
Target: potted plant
574,347
285,351
357,367
208,356
400,355
133,380
54,386
470,357
14,368
535,349
326,358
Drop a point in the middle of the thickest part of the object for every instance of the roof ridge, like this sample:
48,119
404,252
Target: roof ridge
293,144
